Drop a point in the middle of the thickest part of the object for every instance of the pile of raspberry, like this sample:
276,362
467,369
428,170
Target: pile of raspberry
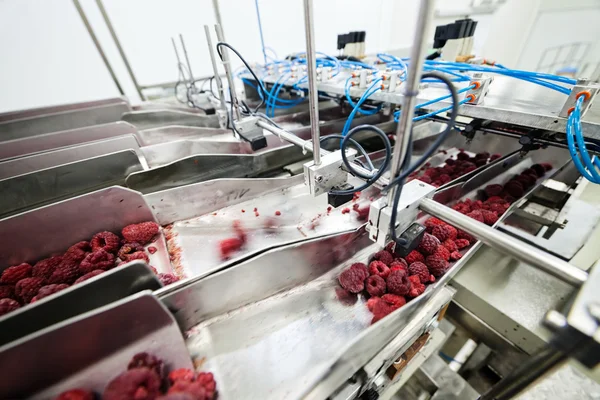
146,378
23,284
453,168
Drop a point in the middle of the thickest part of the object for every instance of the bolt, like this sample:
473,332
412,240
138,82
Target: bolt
319,178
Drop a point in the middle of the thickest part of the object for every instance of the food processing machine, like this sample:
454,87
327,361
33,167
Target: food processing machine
324,178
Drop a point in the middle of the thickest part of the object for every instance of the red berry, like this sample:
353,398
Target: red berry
152,249
99,259
88,276
425,179
8,305
437,265
45,267
379,268
375,285
48,290
414,256
455,256
429,244
476,215
398,283
77,252
352,280
464,235
489,217
493,190
390,247
539,170
462,156
16,273
207,380
394,300
346,210
547,166
7,292
76,394
278,213
419,269
461,243
399,263
145,360
495,157
450,245
362,269
27,288
416,287
384,256
181,374
128,249
442,252
167,279
380,308
444,232
138,384
141,233
106,241
433,222
514,190
196,389
229,246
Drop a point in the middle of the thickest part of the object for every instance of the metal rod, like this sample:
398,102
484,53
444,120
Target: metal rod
187,59
88,27
227,65
538,365
118,44
507,244
313,94
218,19
410,91
213,60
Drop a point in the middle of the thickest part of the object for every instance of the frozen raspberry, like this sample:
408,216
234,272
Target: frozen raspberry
7,292
229,246
442,252
425,179
89,275
462,156
476,215
461,243
390,247
489,217
509,199
450,245
494,199
45,267
138,255
380,308
414,256
141,233
77,252
514,190
106,241
138,384
483,154
480,162
394,300
419,269
362,268
154,271
47,290
66,272
379,268
539,170
416,287
129,248
152,249
437,265
375,285
547,166
27,288
464,235
399,263
455,256
167,279
181,374
8,305
428,244
177,396
240,231
76,394
498,208
372,302
398,283
384,256
526,180
99,259
495,157
207,380
444,178
477,205
431,172
196,389
345,297
432,223
352,280
346,211
444,232
145,360
493,190
362,213
16,273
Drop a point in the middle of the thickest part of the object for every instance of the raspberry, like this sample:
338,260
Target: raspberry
445,178
77,252
89,275
494,199
196,389
141,233
177,396
48,290
480,162
455,256
167,279
442,252
181,374
45,267
416,287
450,245
8,305
390,247
138,255
425,179
431,172
76,394
497,208
398,283
380,308
509,199
138,383
476,215
229,246
384,256
129,248
27,288
514,190
16,273
477,205
399,263
152,249
99,259
437,265
372,302
207,380
7,292
432,223
379,268
547,166
145,360
464,235
419,269
428,244
539,170
461,243
450,161
462,156
444,232
375,285
362,268
106,241
527,180
346,211
154,271
414,256
489,217
239,230
363,213
352,280
345,297
495,157
394,300
66,272
483,154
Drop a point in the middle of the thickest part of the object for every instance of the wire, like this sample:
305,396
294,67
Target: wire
375,86
574,130
355,144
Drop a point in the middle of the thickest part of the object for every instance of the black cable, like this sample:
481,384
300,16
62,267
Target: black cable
360,149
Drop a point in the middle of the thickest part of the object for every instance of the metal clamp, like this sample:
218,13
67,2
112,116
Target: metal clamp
328,174
249,129
582,86
482,86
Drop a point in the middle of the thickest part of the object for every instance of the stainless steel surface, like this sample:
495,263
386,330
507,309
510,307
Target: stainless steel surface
38,188
92,34
499,241
451,386
213,60
305,145
410,92
49,141
157,118
111,286
41,111
217,12
566,383
228,72
90,351
313,94
115,39
52,158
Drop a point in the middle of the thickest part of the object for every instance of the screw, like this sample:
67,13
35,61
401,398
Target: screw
319,178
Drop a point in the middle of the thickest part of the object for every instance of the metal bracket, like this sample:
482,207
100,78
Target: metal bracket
380,214
248,128
328,174
483,86
222,116
582,85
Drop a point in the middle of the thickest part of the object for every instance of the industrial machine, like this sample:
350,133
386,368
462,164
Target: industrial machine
267,197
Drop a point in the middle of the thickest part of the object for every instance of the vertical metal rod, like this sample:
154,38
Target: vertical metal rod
410,91
313,95
176,53
88,27
187,59
217,11
118,44
228,72
213,60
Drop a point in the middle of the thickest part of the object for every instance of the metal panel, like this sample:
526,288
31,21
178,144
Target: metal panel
99,291
41,111
84,351
157,118
35,144
48,230
25,192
